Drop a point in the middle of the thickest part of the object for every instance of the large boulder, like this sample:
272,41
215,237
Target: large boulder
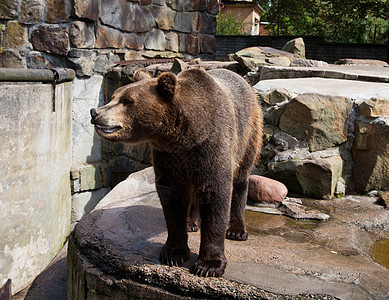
316,177
317,119
253,57
295,46
374,107
371,155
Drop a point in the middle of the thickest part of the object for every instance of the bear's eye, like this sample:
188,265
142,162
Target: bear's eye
127,102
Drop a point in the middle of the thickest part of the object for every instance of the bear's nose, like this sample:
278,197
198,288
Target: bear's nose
93,114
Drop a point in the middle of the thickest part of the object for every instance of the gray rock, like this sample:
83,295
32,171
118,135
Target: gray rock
254,57
295,46
186,22
370,155
10,58
172,41
50,38
286,172
107,37
133,41
14,36
273,114
318,177
374,107
83,65
319,120
164,17
143,19
88,9
276,96
365,62
308,63
31,11
192,44
298,211
104,61
118,14
82,34
179,66
8,9
155,40
57,11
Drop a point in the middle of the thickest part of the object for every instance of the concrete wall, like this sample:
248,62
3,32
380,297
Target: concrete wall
315,47
35,161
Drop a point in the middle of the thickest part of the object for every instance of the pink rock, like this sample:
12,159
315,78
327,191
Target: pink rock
262,189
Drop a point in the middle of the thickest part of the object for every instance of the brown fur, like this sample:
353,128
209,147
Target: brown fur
206,132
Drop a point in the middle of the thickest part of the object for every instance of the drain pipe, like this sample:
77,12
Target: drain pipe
56,75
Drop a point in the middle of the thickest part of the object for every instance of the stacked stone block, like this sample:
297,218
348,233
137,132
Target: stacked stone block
37,33
325,146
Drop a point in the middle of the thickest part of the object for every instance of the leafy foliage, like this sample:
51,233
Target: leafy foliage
365,21
228,25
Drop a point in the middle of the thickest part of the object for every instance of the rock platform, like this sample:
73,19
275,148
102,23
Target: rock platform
113,252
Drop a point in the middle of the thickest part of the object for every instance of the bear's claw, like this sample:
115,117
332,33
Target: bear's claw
237,235
209,268
174,257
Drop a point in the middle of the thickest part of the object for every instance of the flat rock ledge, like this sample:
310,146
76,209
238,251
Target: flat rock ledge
113,253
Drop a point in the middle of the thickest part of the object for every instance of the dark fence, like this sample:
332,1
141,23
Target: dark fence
315,47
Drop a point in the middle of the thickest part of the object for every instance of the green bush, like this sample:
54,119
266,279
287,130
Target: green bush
228,25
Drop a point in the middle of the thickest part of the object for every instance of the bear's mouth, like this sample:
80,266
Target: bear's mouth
107,129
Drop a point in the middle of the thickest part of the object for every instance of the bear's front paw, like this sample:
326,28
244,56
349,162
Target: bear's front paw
237,234
209,268
174,256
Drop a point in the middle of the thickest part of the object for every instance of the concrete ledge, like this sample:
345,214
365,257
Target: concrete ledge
360,73
113,253
355,90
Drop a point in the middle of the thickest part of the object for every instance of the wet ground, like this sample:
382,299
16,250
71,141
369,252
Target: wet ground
342,257
346,257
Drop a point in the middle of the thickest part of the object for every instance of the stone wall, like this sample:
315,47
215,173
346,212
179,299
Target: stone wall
316,48
90,37
37,33
35,198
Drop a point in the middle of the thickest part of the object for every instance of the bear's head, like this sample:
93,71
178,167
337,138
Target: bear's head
141,111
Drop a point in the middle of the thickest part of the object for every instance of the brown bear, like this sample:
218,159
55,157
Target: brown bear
206,132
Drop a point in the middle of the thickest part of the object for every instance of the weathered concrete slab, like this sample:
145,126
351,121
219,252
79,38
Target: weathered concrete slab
113,252
359,73
335,87
35,161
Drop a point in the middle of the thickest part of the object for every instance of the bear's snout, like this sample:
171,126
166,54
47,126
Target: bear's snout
93,114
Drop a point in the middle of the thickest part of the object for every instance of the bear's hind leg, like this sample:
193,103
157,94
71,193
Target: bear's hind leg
175,251
236,228
193,222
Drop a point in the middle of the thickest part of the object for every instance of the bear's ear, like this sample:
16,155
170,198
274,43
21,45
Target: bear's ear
167,83
141,74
